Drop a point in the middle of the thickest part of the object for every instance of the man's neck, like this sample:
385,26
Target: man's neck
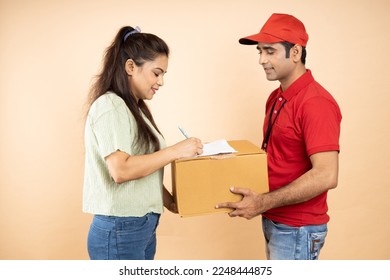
298,72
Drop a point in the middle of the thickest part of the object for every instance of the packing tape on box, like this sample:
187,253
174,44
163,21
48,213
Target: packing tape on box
223,156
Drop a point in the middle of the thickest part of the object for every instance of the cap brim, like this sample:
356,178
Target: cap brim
260,37
245,41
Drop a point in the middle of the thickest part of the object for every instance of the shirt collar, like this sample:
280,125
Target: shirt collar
297,85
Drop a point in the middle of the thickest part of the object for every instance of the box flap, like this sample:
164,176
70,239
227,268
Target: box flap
245,147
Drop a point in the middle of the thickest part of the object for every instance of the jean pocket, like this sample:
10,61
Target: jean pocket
98,243
134,239
316,242
132,223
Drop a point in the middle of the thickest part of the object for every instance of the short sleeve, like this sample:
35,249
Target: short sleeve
321,125
112,127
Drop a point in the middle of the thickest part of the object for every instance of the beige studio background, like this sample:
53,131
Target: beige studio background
215,88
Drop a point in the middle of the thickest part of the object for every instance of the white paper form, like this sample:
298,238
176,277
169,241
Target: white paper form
217,147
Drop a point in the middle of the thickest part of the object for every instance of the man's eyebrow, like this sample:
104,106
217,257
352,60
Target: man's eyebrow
265,48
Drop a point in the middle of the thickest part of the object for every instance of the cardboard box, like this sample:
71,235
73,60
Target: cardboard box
201,183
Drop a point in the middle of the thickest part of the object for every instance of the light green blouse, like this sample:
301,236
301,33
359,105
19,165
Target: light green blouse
110,126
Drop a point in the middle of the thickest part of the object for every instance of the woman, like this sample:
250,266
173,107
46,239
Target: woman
125,151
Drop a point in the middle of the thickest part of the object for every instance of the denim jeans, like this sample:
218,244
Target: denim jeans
123,238
284,242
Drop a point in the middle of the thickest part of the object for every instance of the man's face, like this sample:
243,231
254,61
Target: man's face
274,61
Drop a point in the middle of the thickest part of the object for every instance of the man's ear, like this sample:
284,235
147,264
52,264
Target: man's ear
296,52
129,66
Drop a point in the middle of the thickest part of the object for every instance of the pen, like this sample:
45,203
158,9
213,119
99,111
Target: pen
183,132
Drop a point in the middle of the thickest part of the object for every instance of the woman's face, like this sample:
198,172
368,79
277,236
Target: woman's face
145,80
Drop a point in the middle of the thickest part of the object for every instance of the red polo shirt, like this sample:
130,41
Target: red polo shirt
308,123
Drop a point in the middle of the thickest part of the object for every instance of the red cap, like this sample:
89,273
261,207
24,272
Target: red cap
279,28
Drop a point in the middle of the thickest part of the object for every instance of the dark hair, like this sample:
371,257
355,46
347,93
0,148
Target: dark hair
288,46
140,47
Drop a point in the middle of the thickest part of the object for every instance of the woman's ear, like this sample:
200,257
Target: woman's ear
129,67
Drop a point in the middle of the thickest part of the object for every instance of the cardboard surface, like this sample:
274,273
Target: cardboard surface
201,183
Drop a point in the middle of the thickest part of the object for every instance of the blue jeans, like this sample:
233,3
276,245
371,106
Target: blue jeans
284,242
123,238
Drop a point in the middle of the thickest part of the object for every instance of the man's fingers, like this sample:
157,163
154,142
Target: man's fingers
242,191
233,214
226,205
233,205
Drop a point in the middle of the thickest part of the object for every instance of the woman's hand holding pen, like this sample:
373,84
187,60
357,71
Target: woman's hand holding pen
188,148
